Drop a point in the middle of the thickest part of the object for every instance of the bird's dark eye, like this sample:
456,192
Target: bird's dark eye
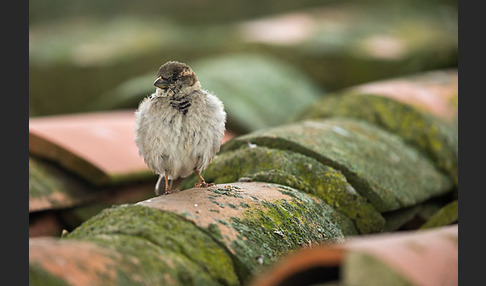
174,77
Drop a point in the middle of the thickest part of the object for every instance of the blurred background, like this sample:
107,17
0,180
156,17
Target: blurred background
265,59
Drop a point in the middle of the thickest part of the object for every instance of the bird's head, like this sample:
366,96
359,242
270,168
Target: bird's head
174,78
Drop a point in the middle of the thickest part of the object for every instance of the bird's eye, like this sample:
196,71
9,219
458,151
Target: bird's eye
174,77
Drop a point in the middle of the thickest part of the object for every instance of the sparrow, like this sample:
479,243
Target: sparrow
178,128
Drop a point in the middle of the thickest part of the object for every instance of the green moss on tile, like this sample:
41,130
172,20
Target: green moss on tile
167,233
41,180
227,192
219,204
186,214
429,134
142,262
222,221
244,205
297,171
232,206
50,182
266,233
364,269
214,230
39,276
378,164
447,215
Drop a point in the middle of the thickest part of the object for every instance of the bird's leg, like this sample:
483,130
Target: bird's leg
202,183
157,186
166,184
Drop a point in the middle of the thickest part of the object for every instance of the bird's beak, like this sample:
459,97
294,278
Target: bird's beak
161,83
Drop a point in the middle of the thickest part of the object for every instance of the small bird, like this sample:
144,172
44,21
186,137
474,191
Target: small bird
178,129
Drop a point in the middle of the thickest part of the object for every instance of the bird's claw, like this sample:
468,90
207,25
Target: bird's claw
203,185
158,193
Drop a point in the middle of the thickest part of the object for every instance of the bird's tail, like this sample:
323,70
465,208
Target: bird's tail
173,186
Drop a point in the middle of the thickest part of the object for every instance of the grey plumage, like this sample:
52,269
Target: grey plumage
178,129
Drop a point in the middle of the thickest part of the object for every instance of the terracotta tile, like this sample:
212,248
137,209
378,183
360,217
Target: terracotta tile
420,257
227,136
99,147
63,258
434,92
423,257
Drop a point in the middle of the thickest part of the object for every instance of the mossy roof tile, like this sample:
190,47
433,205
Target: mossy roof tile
379,165
435,92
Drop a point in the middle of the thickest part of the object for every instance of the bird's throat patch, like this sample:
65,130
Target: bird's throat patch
180,104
